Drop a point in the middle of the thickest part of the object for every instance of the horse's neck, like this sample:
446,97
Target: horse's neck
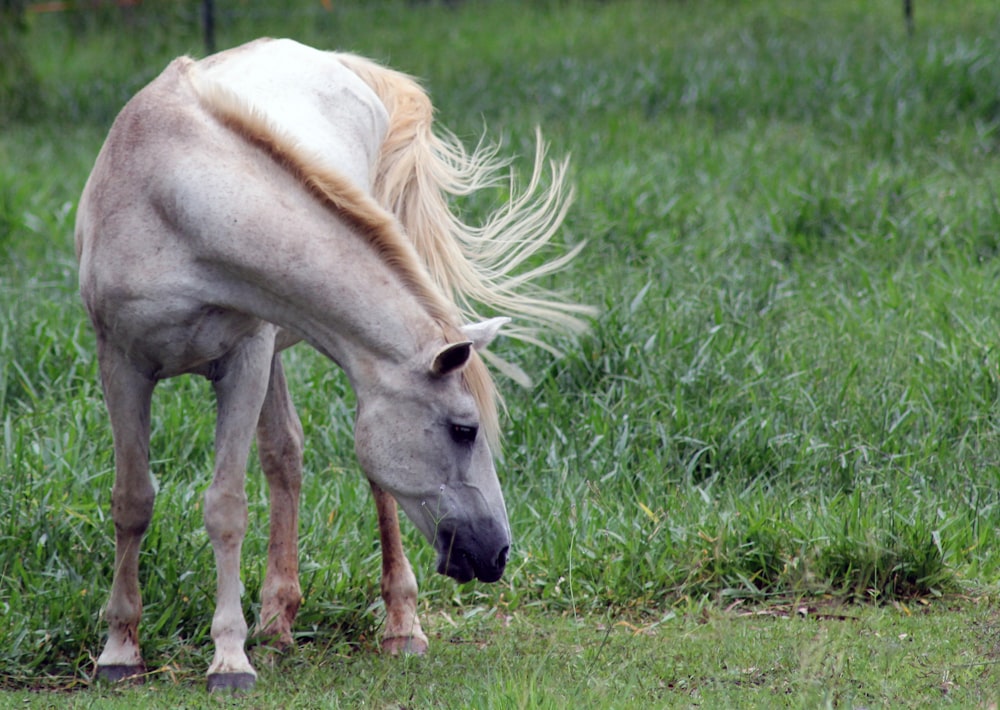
323,280
360,315
375,336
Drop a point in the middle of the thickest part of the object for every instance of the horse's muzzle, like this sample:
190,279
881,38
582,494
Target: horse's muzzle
477,550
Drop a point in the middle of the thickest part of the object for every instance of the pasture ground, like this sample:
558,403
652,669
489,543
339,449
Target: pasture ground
790,399
767,657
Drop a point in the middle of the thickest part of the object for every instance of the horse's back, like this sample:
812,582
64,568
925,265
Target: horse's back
312,96
165,144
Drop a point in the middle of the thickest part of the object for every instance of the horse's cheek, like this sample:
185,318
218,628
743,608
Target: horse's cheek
364,449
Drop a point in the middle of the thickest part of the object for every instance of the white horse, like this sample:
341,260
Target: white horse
275,193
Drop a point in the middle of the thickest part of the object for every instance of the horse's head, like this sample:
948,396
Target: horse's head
417,436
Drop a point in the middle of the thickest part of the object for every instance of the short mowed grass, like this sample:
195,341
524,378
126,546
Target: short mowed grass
768,475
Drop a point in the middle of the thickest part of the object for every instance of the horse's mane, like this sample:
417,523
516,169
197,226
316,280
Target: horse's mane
420,166
445,263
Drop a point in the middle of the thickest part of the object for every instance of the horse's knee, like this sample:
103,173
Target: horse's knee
225,514
132,508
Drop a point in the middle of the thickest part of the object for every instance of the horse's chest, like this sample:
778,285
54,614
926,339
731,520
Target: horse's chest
193,341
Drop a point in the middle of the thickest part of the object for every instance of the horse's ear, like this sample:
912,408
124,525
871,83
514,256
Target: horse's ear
482,334
454,356
451,357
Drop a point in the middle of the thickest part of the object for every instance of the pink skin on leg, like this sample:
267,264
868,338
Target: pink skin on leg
399,587
280,444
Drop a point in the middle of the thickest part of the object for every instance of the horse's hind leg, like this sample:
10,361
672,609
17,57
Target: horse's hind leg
127,395
402,632
279,444
240,389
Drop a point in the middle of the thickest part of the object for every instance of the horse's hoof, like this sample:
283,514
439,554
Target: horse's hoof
235,682
118,673
408,645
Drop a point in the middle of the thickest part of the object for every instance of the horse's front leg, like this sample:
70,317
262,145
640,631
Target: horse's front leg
127,395
240,390
279,445
402,632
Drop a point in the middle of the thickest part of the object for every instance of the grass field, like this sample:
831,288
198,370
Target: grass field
768,475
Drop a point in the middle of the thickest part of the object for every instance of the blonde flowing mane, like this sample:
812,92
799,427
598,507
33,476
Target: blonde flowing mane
449,265
420,166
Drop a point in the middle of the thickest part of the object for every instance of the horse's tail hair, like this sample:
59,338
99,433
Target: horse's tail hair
477,266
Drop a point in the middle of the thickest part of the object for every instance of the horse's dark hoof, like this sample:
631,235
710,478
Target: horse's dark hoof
118,673
236,682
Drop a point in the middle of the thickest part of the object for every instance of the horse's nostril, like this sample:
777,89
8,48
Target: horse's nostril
502,557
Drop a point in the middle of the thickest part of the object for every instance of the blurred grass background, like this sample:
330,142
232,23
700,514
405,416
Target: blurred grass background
792,222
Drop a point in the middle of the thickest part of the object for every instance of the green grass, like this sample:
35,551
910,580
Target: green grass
791,395
789,656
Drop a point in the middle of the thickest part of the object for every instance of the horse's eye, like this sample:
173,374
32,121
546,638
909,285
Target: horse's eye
463,434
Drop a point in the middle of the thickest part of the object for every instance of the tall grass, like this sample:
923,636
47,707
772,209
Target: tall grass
791,214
